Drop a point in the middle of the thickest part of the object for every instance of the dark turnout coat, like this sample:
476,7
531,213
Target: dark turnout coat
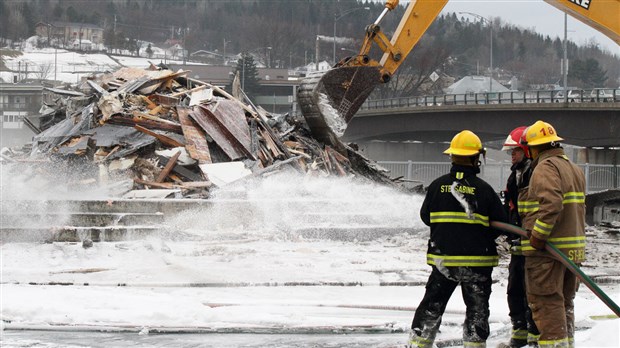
459,238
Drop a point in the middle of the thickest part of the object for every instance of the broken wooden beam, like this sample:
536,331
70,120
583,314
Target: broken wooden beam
150,124
182,171
168,167
162,138
195,137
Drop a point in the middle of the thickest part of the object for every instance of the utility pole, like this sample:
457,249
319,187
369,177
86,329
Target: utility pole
490,23
114,33
491,56
316,54
565,58
224,55
184,50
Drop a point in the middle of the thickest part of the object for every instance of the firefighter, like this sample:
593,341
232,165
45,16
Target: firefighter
461,250
524,329
553,211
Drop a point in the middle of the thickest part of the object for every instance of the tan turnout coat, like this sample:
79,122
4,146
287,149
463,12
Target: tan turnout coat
553,207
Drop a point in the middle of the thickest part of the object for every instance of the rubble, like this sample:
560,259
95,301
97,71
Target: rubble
181,136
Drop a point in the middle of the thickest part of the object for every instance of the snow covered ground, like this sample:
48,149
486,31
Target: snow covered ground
226,279
37,63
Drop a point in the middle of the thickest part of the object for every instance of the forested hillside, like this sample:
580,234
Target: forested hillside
454,45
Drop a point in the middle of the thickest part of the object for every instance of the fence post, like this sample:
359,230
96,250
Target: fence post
616,176
501,175
409,170
587,174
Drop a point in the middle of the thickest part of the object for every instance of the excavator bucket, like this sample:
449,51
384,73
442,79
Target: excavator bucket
329,100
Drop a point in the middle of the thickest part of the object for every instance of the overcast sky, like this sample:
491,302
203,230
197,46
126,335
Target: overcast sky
533,14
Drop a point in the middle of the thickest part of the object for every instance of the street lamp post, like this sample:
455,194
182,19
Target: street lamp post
565,59
336,18
490,45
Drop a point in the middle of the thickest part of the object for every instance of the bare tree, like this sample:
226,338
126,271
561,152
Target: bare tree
44,71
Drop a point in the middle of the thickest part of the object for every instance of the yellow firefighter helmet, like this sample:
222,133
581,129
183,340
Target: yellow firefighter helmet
465,143
541,133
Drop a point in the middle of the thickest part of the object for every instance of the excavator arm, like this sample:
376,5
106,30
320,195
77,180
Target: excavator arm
329,100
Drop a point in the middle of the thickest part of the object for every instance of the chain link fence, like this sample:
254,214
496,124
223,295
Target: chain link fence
599,177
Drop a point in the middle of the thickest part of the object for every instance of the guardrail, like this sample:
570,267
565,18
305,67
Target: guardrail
599,177
514,97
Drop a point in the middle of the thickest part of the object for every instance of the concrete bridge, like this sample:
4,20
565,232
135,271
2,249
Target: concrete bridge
588,124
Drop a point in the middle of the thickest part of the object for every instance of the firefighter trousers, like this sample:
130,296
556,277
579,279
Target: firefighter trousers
524,329
476,289
551,289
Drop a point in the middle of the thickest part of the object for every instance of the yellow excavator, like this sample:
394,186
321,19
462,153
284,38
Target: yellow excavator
329,100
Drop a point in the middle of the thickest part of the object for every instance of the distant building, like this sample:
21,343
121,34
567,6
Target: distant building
214,57
476,88
17,101
68,33
312,67
475,84
278,88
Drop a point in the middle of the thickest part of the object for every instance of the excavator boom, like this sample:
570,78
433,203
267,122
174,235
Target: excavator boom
329,100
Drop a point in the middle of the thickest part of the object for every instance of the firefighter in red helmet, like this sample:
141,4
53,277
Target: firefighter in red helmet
524,330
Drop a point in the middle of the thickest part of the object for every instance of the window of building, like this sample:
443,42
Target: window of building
13,119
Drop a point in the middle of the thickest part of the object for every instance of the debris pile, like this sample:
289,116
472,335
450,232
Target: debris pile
169,133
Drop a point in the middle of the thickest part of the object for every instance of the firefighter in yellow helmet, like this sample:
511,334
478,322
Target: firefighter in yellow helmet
461,251
552,210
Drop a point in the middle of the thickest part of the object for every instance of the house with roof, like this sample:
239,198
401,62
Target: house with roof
479,88
88,36
476,84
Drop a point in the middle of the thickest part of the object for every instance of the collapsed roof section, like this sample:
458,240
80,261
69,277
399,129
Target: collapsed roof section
163,130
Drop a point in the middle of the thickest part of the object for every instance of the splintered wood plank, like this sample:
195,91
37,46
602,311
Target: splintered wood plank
232,118
195,138
221,135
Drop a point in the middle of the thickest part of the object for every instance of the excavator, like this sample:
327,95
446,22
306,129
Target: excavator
329,100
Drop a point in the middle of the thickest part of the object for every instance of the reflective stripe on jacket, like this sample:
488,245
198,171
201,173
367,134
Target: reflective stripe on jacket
459,238
554,206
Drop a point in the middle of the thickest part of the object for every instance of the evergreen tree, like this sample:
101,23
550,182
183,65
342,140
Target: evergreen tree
149,51
587,74
29,19
58,11
4,18
72,14
248,73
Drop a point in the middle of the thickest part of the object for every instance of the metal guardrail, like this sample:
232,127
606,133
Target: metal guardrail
514,97
599,177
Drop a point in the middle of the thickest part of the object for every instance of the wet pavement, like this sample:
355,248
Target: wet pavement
51,339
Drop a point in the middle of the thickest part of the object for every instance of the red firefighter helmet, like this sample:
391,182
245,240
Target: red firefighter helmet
514,140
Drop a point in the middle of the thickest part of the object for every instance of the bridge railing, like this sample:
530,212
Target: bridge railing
512,97
599,177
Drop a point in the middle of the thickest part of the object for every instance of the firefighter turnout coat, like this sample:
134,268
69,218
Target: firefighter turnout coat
553,208
458,207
